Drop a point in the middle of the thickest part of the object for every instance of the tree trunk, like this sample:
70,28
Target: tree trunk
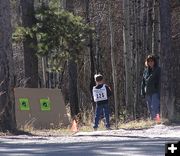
149,26
73,94
91,54
97,55
30,59
144,29
113,64
127,37
72,74
7,104
176,46
44,71
167,63
155,31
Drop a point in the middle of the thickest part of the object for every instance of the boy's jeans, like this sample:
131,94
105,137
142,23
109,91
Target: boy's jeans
153,104
99,109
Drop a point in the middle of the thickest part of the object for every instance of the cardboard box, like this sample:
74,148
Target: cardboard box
40,108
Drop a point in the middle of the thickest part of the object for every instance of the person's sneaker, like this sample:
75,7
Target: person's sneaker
95,129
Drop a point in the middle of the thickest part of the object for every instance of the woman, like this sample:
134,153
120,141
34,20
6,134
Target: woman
150,86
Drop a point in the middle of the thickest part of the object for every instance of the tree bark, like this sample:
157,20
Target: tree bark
176,46
167,82
91,54
73,94
72,74
30,58
149,26
155,31
113,64
7,103
127,37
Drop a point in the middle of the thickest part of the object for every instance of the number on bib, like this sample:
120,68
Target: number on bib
99,94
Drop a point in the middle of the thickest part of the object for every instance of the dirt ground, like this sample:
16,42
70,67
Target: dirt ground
155,131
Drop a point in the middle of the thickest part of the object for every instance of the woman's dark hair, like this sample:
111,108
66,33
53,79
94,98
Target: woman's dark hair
153,58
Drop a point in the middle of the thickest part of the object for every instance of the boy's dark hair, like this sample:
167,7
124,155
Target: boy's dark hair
98,77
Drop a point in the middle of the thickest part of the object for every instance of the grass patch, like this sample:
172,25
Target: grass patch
141,124
136,124
66,131
89,127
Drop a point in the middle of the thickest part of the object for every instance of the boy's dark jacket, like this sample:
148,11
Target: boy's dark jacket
151,81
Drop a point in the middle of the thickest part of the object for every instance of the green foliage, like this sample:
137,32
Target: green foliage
21,34
56,4
58,33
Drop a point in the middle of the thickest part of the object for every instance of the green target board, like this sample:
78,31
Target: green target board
24,104
45,104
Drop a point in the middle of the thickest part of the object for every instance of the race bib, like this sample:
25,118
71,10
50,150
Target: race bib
100,94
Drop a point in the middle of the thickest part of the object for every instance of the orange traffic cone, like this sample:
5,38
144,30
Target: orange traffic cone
74,127
158,120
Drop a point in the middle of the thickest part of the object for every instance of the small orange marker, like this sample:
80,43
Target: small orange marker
74,127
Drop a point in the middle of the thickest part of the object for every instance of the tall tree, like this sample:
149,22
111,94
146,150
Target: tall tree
91,53
113,63
7,111
30,59
128,49
167,63
72,74
176,46
149,25
155,31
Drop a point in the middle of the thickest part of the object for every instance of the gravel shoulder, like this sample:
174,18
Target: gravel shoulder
157,131
141,142
160,131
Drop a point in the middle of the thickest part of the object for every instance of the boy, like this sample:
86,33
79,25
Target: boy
101,93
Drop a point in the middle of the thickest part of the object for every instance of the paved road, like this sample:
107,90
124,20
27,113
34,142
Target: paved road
144,142
83,145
